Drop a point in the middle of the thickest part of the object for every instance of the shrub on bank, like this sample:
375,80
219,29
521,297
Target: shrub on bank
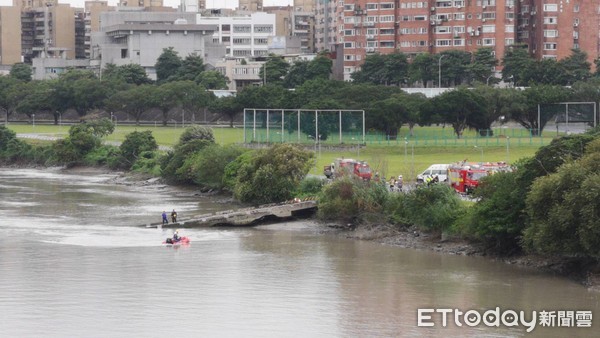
310,187
496,219
206,167
434,208
192,140
352,200
272,175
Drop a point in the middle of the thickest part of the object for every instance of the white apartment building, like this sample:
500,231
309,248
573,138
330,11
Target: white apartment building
242,36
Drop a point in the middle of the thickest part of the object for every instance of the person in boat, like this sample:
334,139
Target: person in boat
165,220
174,216
176,237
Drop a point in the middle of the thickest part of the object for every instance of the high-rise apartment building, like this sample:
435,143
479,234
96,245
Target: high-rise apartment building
409,26
328,15
251,5
552,28
10,35
46,29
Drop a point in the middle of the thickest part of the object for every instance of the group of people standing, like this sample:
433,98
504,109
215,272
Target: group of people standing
165,220
394,184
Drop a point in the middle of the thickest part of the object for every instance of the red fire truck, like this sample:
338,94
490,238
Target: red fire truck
464,176
344,166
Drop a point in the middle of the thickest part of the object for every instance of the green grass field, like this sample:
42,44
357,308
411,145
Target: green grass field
388,158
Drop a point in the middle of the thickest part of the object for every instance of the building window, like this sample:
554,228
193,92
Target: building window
443,43
371,6
349,44
489,42
386,18
488,29
459,3
550,46
372,31
459,42
349,32
241,41
241,29
349,57
509,42
387,5
263,29
458,16
261,41
550,20
550,33
550,8
576,8
489,15
386,31
349,7
420,18
386,44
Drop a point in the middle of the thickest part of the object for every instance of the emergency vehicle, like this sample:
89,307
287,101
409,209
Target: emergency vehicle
345,166
464,176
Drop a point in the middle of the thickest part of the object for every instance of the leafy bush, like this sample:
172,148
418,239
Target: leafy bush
497,219
272,175
147,163
310,186
352,200
433,208
174,160
102,155
196,132
6,135
565,210
209,164
136,143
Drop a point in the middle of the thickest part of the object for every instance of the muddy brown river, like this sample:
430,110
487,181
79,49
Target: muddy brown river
73,264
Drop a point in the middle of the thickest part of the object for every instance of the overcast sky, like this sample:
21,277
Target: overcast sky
175,3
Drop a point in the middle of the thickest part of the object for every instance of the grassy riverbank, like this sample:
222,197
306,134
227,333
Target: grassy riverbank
388,158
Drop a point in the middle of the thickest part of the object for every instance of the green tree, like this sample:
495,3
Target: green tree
482,66
21,72
371,71
191,67
276,68
207,166
131,73
564,210
576,67
455,67
191,141
273,174
212,79
497,219
297,75
7,84
542,95
226,106
66,94
496,102
135,144
167,64
518,65
388,116
458,108
424,69
134,101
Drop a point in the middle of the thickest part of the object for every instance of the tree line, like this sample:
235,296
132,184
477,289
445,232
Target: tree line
184,84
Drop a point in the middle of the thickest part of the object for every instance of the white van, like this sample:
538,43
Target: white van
441,170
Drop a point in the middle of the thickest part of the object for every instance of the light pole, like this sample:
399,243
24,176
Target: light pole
33,120
113,116
487,81
440,71
480,148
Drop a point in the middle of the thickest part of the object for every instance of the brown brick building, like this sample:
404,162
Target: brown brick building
550,28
